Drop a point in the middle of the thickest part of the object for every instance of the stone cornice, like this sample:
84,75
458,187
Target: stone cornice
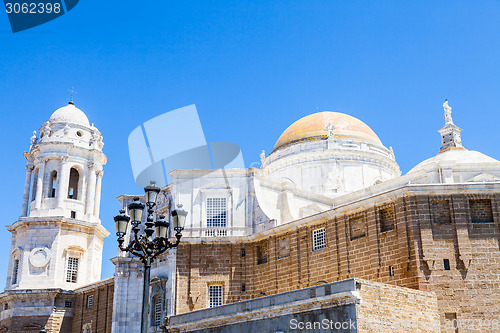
69,146
45,293
355,201
93,285
186,173
312,298
63,221
359,155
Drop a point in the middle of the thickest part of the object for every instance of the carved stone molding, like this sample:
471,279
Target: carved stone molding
39,257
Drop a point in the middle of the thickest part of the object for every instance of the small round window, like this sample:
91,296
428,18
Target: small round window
79,133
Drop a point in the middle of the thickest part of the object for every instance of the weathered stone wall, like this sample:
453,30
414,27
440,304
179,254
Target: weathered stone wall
53,324
291,262
22,310
199,265
387,308
468,283
426,230
344,306
98,316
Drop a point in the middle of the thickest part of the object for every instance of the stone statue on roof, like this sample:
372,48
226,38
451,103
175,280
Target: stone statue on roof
447,113
33,140
330,130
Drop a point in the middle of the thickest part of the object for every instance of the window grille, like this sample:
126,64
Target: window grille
68,304
216,212
158,309
90,301
72,270
319,239
15,271
215,295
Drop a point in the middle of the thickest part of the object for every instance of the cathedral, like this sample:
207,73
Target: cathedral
326,231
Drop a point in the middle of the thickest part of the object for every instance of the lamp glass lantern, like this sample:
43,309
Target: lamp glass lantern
179,216
136,209
151,193
161,227
121,222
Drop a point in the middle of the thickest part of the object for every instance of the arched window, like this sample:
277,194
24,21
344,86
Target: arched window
35,183
53,184
74,178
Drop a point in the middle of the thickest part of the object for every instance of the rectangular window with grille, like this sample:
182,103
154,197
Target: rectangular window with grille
157,311
216,212
15,271
319,239
90,301
68,304
72,270
215,295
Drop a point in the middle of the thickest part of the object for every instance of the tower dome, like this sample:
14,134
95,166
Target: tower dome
70,114
330,153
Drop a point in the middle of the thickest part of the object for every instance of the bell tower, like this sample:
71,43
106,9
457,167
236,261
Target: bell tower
57,242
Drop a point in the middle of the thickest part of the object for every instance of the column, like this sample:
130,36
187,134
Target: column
39,184
62,182
84,181
91,189
98,194
27,187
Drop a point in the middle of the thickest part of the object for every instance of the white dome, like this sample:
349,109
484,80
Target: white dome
70,114
462,156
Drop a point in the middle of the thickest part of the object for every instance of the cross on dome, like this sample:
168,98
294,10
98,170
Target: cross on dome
72,91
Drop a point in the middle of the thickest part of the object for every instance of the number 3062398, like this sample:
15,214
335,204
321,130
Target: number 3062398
32,8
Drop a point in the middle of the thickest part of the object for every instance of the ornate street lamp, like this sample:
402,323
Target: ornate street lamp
145,246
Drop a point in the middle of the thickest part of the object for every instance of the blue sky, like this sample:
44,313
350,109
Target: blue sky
252,68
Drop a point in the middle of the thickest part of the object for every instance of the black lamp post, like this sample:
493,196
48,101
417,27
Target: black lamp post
145,246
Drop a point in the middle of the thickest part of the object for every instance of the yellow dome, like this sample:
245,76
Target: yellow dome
314,127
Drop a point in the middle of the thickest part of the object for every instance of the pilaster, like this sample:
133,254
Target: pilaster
26,193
